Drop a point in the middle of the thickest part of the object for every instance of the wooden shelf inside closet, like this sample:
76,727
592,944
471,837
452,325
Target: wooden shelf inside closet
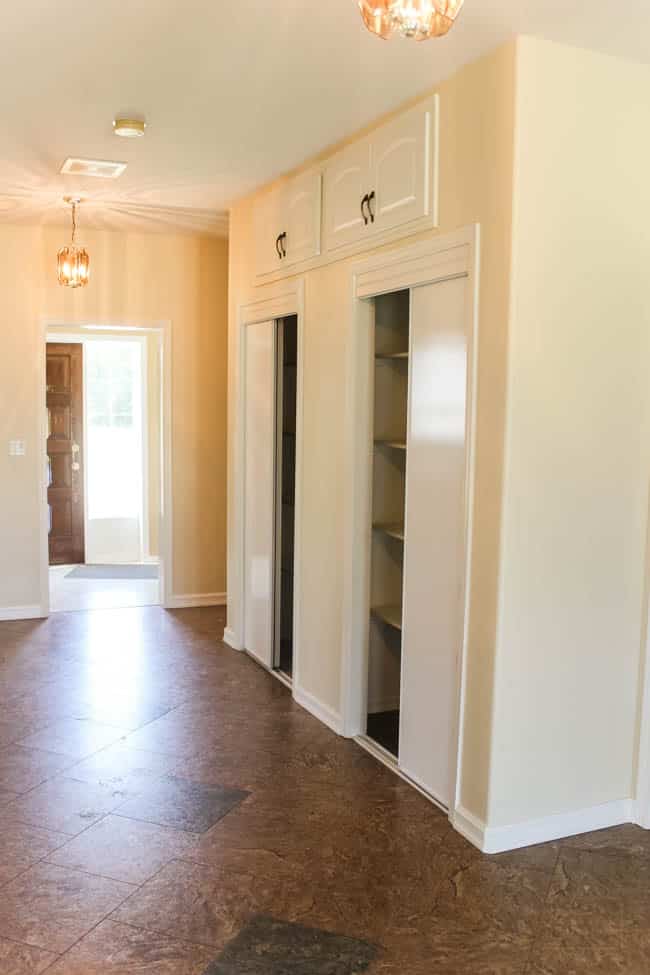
388,614
395,529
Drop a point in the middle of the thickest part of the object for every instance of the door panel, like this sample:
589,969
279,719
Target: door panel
268,226
259,498
347,180
65,493
401,166
302,212
435,529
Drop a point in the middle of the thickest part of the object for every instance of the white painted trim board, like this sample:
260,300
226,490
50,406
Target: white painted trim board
500,839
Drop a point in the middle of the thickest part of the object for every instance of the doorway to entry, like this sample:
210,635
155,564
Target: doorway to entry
104,468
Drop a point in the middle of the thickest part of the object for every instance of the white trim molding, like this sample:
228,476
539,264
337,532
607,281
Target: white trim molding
322,711
230,639
642,788
189,600
35,612
500,839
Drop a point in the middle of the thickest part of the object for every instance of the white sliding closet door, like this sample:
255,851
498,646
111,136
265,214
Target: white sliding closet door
259,498
434,550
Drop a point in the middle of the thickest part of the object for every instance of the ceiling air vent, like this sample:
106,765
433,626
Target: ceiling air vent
93,167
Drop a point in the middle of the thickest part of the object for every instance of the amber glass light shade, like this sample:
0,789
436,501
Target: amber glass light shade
73,266
421,19
72,262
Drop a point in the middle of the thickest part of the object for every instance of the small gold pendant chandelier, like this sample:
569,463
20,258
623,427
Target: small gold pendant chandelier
421,19
72,262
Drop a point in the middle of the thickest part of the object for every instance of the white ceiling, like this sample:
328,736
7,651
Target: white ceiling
235,92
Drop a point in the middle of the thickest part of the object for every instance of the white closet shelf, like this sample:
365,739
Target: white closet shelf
394,444
388,614
393,528
392,355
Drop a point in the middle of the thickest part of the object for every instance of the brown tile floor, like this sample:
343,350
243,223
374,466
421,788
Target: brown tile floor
167,809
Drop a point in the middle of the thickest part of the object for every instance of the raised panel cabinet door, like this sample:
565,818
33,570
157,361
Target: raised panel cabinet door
346,183
65,492
269,225
259,489
302,216
402,177
434,561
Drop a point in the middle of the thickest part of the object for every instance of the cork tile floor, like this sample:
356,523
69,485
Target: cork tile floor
167,809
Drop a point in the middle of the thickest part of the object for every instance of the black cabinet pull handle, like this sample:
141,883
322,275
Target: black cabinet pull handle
283,239
363,212
277,246
371,198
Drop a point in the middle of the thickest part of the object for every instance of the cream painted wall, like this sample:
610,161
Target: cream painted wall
477,107
576,484
135,277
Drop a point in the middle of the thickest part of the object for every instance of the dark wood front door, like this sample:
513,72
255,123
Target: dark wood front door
65,493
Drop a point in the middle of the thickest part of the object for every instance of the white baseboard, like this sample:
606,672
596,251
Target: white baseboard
22,612
321,711
469,826
230,639
190,600
499,839
641,815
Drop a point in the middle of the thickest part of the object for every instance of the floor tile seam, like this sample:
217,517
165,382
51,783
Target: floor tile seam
59,832
155,777
75,760
55,832
61,771
159,932
176,829
89,873
23,944
607,854
84,935
33,864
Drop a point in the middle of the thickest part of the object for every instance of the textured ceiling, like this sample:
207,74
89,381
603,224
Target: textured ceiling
235,93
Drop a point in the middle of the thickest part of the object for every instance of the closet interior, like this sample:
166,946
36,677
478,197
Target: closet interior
285,492
391,376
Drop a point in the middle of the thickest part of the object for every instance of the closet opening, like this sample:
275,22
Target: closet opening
391,381
285,490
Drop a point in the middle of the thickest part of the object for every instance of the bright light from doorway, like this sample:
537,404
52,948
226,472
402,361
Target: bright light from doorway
114,432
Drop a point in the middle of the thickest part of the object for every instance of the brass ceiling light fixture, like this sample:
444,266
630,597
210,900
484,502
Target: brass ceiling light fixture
421,19
72,262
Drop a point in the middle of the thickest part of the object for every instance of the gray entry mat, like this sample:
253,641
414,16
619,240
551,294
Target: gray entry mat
113,572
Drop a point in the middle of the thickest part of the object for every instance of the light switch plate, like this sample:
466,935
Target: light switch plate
16,448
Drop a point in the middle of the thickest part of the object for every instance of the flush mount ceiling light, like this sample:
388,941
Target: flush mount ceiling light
129,128
100,168
421,19
72,262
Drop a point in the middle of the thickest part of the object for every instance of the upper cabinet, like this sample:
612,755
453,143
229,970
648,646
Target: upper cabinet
383,182
345,195
400,185
378,189
288,224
